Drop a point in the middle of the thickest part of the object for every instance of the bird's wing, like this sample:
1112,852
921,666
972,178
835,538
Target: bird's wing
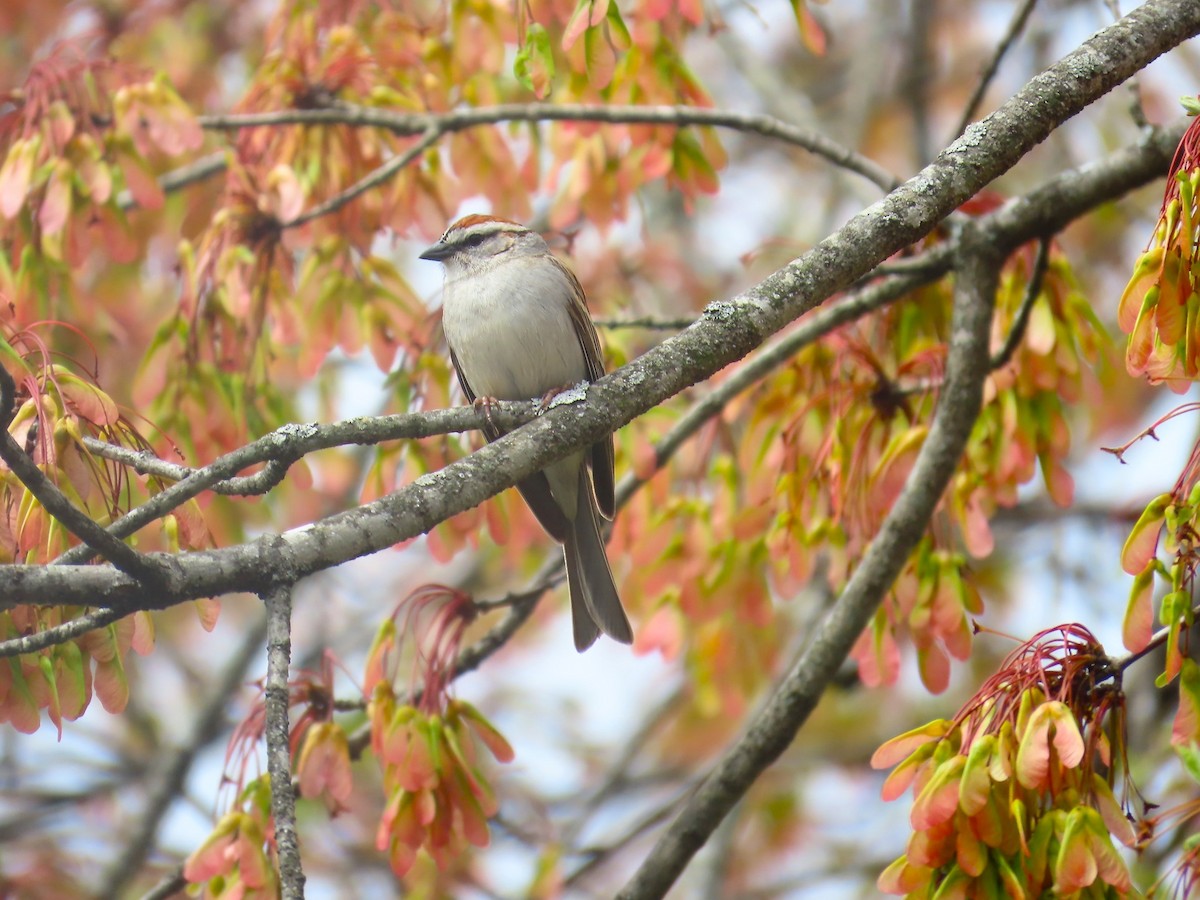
603,479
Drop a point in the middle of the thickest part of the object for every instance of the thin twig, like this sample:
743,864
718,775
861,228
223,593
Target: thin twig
284,446
55,502
1016,25
618,772
60,634
1134,84
433,126
146,463
189,174
1159,638
1033,290
1016,333
373,179
596,856
462,119
172,767
170,886
283,795
916,76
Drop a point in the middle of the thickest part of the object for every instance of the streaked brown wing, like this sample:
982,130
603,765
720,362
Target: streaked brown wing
462,379
536,488
603,479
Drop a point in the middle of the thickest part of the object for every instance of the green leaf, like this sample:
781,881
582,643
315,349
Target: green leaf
1185,731
587,14
1173,607
1039,845
976,785
1075,866
900,747
1190,757
534,65
46,665
1052,726
599,56
1142,542
1014,885
1138,625
618,31
938,799
953,884
74,681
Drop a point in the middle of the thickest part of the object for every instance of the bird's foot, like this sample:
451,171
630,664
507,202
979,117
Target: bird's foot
548,398
484,406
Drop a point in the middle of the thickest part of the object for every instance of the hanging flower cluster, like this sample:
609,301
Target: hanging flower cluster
439,799
1013,797
1160,308
238,859
1163,545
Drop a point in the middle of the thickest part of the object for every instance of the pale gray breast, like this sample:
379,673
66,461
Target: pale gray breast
514,343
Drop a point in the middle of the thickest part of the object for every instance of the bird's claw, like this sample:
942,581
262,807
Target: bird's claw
547,398
484,406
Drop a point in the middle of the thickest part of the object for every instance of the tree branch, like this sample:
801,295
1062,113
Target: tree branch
279,759
283,446
371,180
773,729
278,450
1045,210
433,127
1033,289
188,174
1068,195
438,124
1160,637
59,633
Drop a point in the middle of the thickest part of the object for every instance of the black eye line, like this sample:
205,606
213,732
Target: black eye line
473,240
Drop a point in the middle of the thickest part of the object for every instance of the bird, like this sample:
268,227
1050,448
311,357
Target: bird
517,325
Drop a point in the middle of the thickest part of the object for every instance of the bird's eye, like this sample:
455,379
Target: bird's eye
474,240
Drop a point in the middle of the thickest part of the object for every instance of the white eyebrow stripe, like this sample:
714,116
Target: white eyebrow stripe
458,235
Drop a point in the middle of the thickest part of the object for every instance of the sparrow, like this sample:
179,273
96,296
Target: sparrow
517,324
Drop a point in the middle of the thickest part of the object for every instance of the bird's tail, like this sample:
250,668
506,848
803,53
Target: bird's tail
595,605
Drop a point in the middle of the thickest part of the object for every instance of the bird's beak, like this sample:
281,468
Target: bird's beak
437,252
